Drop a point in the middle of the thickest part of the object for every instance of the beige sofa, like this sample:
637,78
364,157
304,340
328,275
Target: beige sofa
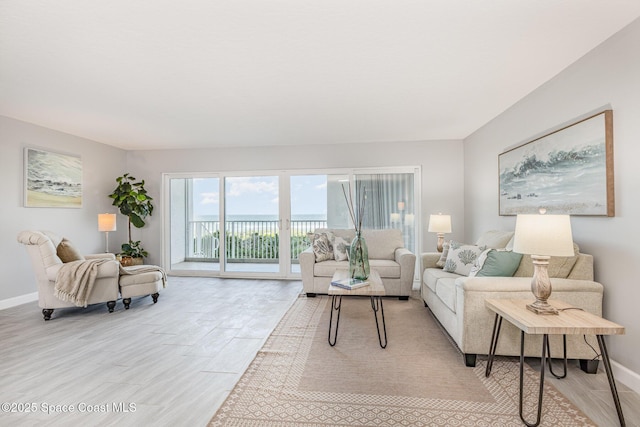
387,255
458,302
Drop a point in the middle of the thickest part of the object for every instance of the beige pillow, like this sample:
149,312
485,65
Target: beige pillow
559,267
495,239
67,252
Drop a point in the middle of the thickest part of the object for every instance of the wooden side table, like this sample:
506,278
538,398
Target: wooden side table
570,321
374,290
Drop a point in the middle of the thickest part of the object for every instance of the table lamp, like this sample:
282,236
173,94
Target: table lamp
106,223
542,236
440,224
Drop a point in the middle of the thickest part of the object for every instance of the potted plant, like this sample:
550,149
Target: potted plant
132,253
131,198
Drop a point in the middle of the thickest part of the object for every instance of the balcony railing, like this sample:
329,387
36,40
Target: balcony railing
247,241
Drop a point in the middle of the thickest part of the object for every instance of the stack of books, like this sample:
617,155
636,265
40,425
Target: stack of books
349,283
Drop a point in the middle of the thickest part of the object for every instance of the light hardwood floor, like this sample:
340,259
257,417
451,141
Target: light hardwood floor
176,361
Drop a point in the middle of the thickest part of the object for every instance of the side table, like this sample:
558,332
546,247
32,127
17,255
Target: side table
570,321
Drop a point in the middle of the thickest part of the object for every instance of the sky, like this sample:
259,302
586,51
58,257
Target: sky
258,195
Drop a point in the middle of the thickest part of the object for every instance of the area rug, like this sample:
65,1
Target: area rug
298,379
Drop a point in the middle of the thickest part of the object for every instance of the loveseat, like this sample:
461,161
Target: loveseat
387,255
458,301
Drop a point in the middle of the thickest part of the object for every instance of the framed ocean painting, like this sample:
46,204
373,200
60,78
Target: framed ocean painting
52,180
569,171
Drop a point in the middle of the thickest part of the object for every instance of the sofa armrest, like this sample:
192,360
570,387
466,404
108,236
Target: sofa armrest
429,259
105,269
474,320
580,293
100,256
307,260
518,284
407,261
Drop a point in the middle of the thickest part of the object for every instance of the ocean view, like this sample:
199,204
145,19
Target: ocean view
255,217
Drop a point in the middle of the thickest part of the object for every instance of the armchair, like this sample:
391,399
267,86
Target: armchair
42,249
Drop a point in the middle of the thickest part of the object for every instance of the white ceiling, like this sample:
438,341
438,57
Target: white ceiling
155,74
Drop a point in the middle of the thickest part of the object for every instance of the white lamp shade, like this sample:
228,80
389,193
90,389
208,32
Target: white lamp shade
543,235
107,222
408,218
439,223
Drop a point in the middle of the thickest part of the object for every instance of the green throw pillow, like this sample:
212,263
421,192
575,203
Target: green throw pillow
499,264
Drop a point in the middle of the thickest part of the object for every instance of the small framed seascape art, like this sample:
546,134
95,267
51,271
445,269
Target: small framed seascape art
568,171
52,180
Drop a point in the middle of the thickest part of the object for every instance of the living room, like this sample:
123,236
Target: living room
458,176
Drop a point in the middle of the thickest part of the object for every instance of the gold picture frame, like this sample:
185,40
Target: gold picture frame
52,180
568,171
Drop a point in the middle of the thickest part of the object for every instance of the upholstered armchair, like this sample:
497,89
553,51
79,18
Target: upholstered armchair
45,250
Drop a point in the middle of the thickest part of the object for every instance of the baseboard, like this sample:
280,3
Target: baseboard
22,299
626,376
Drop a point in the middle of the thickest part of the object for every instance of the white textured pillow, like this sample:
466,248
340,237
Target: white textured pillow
322,247
479,263
443,257
340,249
461,257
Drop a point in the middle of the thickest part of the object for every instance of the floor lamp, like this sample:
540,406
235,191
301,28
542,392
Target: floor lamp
542,236
106,223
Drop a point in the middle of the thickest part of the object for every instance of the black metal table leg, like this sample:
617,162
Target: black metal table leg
336,304
497,324
376,305
612,381
545,340
564,351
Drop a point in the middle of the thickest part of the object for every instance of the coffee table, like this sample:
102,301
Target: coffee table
375,290
570,321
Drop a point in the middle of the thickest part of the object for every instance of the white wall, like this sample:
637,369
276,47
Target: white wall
607,76
101,164
441,161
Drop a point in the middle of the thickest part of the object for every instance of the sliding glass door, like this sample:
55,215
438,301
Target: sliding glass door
256,225
252,224
194,223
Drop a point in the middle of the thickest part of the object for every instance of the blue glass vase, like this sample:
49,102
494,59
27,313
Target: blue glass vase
359,258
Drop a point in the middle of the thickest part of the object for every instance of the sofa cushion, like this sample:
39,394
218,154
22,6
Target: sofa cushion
461,257
382,244
327,268
559,267
432,275
67,252
496,263
386,268
495,239
446,291
322,248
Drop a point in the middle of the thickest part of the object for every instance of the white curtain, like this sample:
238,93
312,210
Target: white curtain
389,202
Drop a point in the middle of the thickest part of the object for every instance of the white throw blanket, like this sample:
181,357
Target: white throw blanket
75,280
